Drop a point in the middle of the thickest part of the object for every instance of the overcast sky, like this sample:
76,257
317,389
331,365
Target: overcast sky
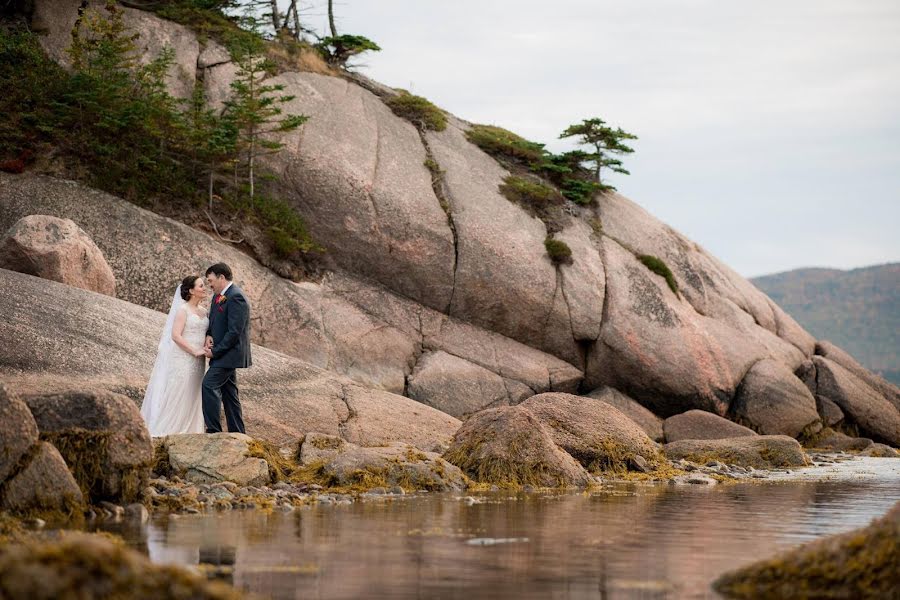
769,131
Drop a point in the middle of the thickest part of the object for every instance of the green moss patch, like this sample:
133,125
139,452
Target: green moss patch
558,251
536,197
504,144
419,111
657,265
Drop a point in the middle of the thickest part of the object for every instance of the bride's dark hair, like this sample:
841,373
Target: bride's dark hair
187,284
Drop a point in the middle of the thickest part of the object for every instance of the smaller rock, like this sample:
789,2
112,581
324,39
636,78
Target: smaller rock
830,412
44,484
835,440
216,457
646,420
880,451
137,513
702,425
761,451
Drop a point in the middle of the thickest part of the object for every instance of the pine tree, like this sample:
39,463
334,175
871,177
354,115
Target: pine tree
254,109
606,141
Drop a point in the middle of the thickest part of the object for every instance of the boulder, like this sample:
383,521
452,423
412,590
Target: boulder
510,446
56,249
760,451
595,433
702,425
806,373
455,386
775,402
398,464
57,339
880,451
830,413
858,564
101,436
646,420
835,440
82,565
43,485
884,387
875,416
214,457
18,432
657,349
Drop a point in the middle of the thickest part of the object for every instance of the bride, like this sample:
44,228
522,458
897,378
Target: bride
172,403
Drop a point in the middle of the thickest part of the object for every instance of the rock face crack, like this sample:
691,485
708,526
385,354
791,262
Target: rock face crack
351,413
443,195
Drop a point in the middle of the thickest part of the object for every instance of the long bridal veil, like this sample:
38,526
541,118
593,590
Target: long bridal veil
156,389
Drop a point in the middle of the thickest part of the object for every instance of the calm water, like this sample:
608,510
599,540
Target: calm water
628,541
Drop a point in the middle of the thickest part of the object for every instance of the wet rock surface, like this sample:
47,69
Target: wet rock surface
762,451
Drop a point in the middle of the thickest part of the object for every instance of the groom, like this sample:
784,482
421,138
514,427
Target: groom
227,347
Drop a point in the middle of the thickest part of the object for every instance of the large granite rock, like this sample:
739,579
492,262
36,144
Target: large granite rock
646,420
43,485
57,338
56,249
702,425
397,464
510,446
54,20
101,436
884,387
860,564
456,386
775,402
869,410
761,451
595,433
18,432
210,458
830,413
658,349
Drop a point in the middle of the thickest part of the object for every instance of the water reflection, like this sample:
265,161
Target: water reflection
645,542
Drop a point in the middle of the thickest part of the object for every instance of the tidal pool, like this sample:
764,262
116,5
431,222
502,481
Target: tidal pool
645,541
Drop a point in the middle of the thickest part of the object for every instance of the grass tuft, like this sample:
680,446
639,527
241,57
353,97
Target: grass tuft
656,265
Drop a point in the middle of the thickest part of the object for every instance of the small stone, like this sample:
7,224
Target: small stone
281,486
115,510
398,490
35,523
639,463
315,487
137,512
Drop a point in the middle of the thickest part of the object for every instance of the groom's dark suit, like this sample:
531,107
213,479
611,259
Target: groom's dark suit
229,326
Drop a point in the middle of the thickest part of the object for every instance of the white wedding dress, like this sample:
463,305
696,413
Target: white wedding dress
173,401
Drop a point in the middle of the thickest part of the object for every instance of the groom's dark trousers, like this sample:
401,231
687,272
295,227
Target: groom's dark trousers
229,326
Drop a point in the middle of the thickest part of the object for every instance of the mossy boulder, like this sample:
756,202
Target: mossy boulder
509,446
595,433
101,436
702,425
340,463
760,452
860,564
213,457
775,402
44,486
829,439
18,432
646,420
74,566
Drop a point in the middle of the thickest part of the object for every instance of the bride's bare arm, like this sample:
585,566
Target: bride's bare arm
178,329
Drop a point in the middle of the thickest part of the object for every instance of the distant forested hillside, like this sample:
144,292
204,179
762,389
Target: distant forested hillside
858,310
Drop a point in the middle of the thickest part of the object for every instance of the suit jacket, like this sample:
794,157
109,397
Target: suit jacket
229,326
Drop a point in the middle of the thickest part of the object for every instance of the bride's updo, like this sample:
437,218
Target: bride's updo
187,284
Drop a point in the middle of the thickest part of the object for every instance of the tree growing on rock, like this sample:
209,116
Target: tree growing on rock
254,109
338,49
607,143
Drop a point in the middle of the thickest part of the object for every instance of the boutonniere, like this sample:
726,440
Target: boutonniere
221,299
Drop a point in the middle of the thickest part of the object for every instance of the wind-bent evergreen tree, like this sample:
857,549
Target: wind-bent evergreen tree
606,141
338,49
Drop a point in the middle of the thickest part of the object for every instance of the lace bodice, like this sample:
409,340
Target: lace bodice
195,328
